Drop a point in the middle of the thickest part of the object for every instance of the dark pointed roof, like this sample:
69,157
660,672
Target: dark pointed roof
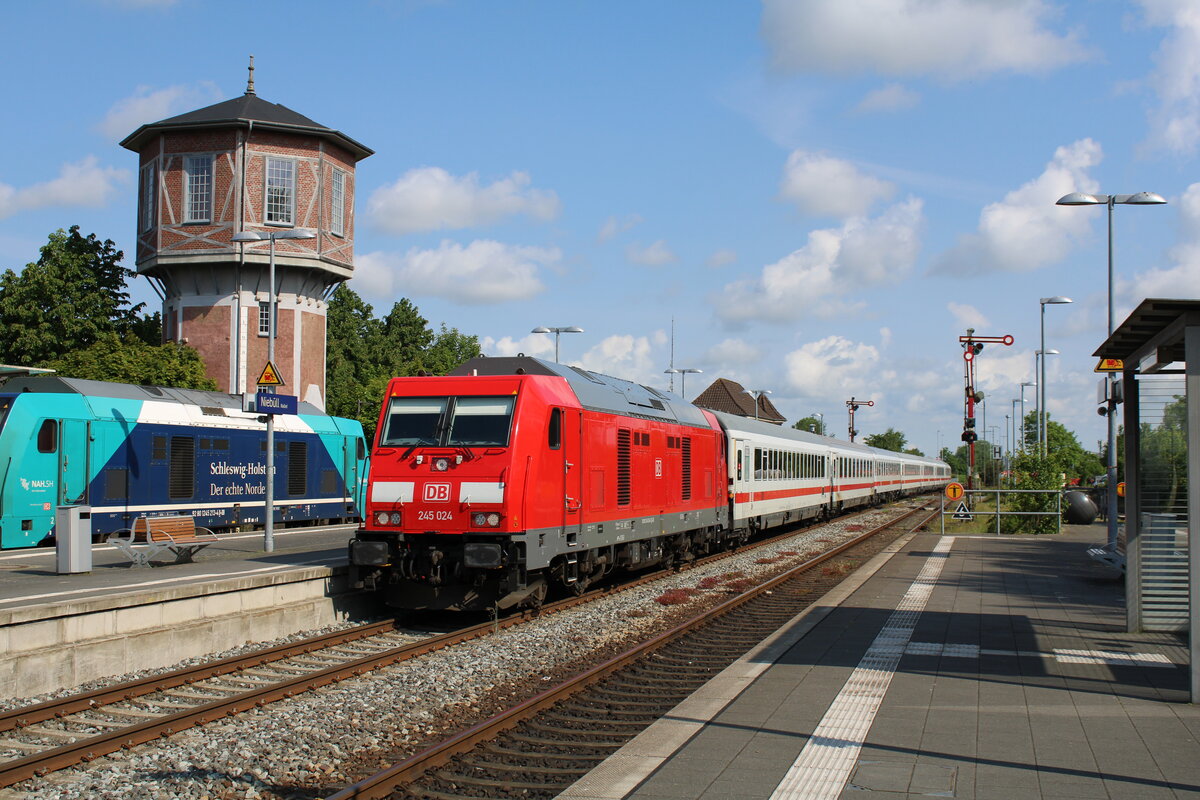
241,112
729,396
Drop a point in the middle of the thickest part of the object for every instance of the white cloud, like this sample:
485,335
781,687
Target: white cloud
534,344
1026,230
148,104
833,367
614,226
835,262
652,255
482,273
624,356
966,316
721,258
733,353
1183,279
944,39
825,186
84,183
1175,124
892,97
430,198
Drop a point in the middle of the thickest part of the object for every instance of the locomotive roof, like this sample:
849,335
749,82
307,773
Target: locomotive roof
595,391
125,391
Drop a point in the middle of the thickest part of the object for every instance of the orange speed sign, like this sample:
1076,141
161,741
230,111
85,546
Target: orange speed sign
954,491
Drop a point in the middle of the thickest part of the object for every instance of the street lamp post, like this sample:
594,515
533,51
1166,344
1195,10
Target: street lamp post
1111,200
273,301
682,372
822,416
1023,385
556,332
1042,303
1014,419
1039,363
757,393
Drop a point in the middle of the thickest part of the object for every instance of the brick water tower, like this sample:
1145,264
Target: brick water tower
246,165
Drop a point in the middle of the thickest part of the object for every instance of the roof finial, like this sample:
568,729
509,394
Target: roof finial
250,81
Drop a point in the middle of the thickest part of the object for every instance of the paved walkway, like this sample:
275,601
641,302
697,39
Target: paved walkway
964,667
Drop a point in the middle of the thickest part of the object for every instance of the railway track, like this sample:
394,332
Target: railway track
36,740
539,747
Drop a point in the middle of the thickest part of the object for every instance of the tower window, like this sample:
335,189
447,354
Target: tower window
198,183
337,195
146,211
281,191
264,318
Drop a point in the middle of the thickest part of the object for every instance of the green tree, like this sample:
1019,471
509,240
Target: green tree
891,439
1031,471
914,451
364,352
131,360
66,300
811,425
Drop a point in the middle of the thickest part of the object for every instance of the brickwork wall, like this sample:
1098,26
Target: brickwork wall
207,331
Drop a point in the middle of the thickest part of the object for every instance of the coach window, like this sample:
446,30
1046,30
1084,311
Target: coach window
554,435
47,439
739,464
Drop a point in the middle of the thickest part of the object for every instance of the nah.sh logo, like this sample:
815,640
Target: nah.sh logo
437,492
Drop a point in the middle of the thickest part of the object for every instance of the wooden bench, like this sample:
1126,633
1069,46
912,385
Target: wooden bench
178,534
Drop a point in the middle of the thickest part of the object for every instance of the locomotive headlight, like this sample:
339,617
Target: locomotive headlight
441,464
493,520
396,517
485,520
381,518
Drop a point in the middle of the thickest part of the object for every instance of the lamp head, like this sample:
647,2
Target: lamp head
1143,199
249,236
1056,300
1081,199
572,329
541,329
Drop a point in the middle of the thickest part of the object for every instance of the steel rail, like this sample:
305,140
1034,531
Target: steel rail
385,781
89,748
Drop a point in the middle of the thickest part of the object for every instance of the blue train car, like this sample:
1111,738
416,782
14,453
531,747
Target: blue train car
129,451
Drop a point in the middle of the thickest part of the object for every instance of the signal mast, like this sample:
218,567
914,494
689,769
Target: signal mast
972,345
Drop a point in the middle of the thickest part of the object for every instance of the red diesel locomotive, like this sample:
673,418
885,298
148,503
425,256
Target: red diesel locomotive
511,473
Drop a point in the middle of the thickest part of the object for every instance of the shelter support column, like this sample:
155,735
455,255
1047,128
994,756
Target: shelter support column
1191,339
1133,519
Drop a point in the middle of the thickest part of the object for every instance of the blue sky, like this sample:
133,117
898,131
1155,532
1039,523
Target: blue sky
824,194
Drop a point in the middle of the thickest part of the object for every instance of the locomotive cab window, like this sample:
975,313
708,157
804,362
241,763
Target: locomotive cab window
554,435
47,438
480,421
412,421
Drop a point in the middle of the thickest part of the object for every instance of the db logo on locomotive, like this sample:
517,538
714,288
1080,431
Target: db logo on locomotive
437,493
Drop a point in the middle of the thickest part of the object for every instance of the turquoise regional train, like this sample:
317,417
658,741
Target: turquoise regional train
129,451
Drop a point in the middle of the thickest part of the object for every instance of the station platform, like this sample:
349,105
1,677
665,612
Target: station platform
975,667
60,631
28,576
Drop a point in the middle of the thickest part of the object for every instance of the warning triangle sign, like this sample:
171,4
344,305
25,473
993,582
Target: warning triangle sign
962,512
270,376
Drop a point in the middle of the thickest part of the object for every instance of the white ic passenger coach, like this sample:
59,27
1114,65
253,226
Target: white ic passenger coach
782,475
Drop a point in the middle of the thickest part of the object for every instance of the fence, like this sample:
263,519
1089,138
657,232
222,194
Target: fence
964,508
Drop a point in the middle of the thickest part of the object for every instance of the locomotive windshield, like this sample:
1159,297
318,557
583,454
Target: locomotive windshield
448,421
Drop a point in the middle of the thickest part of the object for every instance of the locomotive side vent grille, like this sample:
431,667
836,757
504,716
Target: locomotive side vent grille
297,468
686,472
181,473
623,482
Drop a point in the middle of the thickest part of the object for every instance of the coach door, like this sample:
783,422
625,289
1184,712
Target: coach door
73,450
743,479
569,438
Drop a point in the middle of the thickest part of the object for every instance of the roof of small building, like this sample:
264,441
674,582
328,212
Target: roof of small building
245,111
729,396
